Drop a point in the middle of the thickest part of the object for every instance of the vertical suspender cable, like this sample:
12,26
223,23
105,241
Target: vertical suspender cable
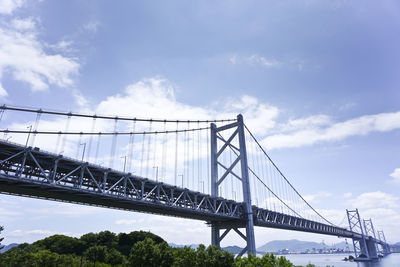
91,138
148,151
142,154
225,182
193,162
208,162
96,157
264,178
131,146
188,158
176,155
166,157
35,127
155,166
58,143
163,159
79,146
198,159
184,158
113,143
64,140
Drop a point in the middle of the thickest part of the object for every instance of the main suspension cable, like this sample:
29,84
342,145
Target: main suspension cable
101,133
73,114
283,176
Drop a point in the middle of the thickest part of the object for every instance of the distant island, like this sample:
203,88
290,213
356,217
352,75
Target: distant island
281,247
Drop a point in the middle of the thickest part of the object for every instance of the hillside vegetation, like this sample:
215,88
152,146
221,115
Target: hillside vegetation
134,249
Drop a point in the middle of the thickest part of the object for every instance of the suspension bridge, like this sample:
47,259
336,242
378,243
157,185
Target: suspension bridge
210,170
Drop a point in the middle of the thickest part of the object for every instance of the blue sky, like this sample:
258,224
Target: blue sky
317,81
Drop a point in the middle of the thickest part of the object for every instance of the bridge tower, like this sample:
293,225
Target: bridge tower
218,145
385,246
371,244
359,244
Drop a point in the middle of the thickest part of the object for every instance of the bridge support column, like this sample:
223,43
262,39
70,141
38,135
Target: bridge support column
360,244
215,241
372,251
372,246
385,246
216,180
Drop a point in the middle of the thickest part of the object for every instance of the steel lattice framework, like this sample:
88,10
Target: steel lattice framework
32,172
28,171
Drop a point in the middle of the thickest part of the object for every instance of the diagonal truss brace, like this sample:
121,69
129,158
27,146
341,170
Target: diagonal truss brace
359,244
216,180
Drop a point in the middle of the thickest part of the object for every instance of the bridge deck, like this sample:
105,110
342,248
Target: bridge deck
31,172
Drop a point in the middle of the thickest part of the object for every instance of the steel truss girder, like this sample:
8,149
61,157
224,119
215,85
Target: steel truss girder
31,168
30,172
273,219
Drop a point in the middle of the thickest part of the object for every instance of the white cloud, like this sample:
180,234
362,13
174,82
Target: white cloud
92,26
374,200
317,196
3,92
310,122
347,195
363,125
8,6
262,61
155,98
63,46
40,232
255,60
23,24
395,176
128,222
22,54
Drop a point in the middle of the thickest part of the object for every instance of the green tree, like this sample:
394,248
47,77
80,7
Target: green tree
89,240
218,258
108,239
148,253
185,257
96,253
42,258
1,238
61,244
114,257
126,241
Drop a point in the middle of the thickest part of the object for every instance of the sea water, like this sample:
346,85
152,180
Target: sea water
336,260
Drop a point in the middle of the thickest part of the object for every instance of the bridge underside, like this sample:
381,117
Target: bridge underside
49,192
26,188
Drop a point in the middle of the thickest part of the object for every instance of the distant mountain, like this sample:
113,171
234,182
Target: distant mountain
296,245
274,246
193,246
10,246
397,245
233,249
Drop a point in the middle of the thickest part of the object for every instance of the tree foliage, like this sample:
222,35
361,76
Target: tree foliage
139,248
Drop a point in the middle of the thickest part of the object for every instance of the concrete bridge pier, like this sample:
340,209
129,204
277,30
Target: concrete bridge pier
372,251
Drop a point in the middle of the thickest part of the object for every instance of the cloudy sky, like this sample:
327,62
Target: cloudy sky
317,82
